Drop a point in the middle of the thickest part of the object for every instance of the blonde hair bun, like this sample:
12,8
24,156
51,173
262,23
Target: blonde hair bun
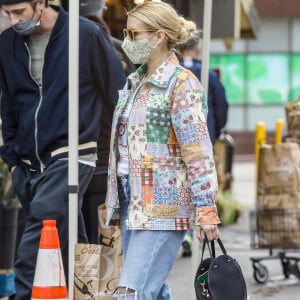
187,27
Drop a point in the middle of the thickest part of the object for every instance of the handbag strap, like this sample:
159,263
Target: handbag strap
221,246
211,247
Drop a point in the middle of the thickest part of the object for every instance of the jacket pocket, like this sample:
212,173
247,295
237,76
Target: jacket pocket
165,186
160,186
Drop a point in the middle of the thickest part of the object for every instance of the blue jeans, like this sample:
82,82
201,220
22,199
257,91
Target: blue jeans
148,256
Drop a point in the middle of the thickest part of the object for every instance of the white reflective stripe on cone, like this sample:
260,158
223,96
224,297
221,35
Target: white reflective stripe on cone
49,271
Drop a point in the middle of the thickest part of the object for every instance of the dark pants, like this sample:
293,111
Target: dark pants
93,197
45,196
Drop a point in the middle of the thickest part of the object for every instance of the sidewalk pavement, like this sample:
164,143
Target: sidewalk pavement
236,239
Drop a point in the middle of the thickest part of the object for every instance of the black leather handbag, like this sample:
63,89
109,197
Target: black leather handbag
219,277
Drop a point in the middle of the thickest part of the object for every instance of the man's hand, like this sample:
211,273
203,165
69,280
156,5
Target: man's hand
12,169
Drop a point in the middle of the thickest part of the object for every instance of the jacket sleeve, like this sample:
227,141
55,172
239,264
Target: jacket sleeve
107,68
220,103
9,125
109,77
188,116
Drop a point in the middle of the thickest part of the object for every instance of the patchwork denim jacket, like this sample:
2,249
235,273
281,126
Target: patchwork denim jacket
172,178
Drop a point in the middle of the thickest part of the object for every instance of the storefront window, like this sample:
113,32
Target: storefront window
259,79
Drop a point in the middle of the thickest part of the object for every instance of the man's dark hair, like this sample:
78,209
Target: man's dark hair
65,4
35,2
32,2
46,3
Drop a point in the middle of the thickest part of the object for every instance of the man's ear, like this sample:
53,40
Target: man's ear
41,4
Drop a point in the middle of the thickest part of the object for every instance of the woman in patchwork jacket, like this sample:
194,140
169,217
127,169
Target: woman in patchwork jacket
161,178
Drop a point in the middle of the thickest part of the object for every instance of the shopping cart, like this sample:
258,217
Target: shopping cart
275,229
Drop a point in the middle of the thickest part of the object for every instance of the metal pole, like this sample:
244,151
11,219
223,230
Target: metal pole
204,81
206,43
73,135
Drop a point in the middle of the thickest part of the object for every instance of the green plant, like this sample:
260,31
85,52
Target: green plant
7,195
229,209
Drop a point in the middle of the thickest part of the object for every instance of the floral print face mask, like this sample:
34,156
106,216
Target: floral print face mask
138,51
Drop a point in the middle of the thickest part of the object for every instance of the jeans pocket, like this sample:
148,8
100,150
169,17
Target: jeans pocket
124,190
20,182
85,175
85,169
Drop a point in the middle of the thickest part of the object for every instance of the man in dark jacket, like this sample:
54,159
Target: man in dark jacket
216,98
34,112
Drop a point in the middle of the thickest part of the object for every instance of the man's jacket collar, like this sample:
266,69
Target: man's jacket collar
62,18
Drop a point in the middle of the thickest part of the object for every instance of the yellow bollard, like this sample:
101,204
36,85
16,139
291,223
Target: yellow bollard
278,132
260,138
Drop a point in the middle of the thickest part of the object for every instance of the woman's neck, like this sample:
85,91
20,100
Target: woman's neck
156,60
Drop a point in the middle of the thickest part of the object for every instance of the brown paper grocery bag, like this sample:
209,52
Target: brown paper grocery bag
292,111
98,267
97,272
279,228
279,169
278,201
87,271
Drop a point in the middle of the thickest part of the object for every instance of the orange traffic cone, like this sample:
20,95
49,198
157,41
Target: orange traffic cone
49,278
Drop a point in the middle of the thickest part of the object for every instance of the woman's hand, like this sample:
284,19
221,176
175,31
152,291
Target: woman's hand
211,231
